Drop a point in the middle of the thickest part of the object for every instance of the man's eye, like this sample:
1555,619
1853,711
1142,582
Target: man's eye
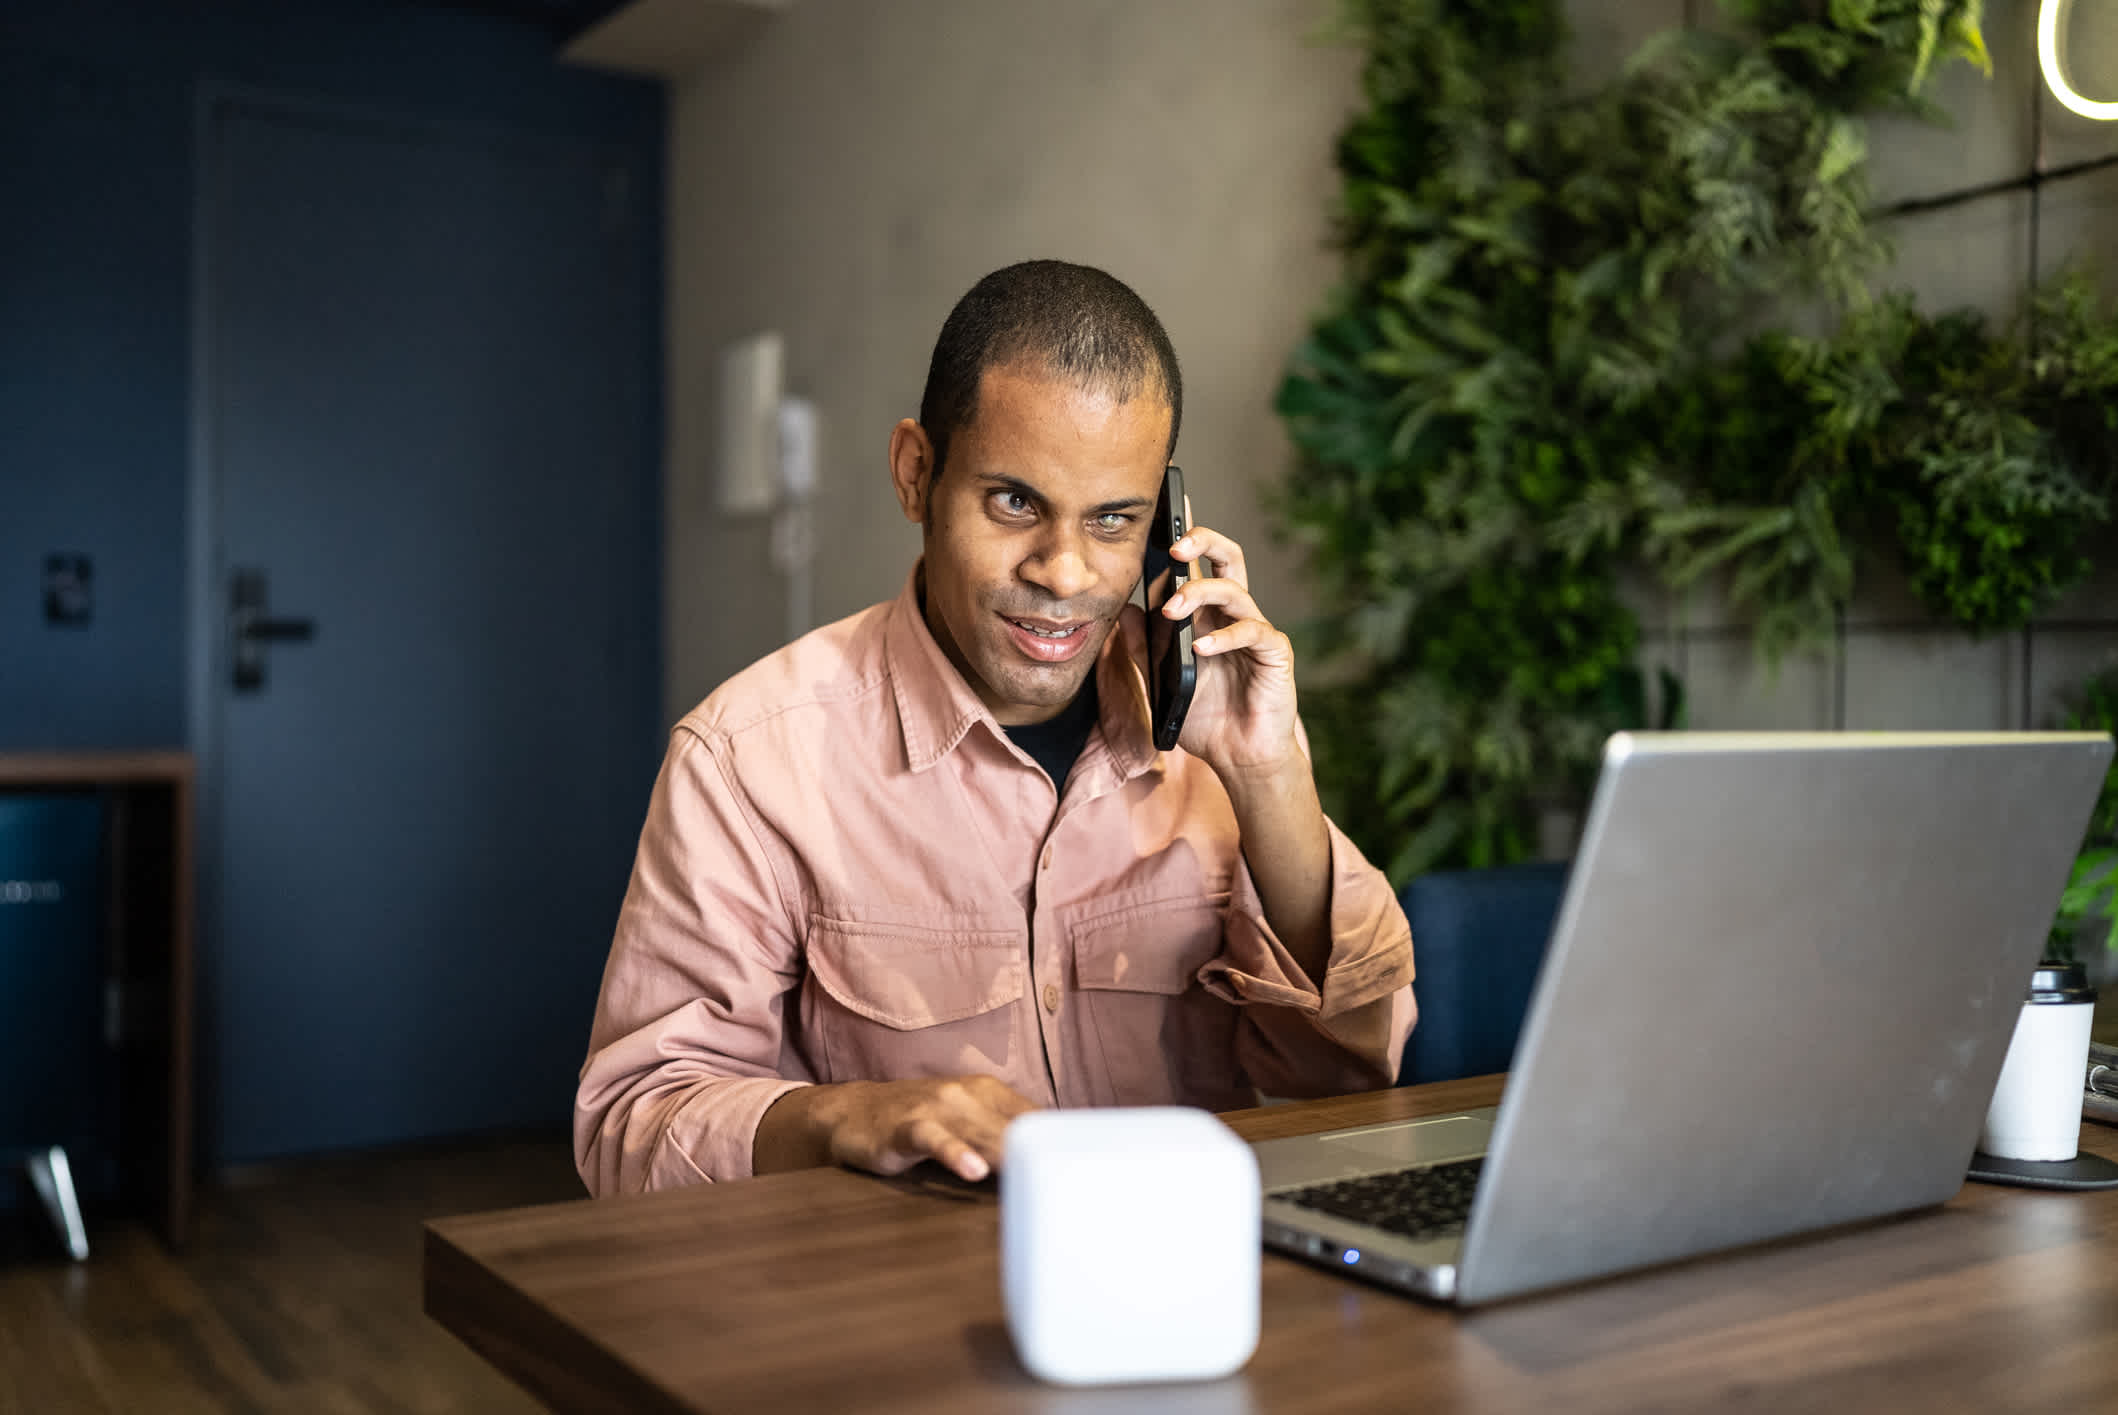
1113,522
1012,503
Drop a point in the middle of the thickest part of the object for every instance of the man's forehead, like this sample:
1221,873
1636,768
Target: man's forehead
1025,408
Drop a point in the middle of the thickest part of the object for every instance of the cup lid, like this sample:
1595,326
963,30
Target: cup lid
2055,981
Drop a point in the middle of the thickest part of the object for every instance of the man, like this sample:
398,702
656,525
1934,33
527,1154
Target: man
923,870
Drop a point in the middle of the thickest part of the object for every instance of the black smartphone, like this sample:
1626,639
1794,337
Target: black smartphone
1172,669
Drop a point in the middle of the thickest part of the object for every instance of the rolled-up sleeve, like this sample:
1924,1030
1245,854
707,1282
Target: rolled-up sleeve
1346,1031
685,1054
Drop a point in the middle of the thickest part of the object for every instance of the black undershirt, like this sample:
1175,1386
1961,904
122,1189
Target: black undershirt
1056,744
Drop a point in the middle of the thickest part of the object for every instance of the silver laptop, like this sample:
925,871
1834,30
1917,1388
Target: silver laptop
1777,997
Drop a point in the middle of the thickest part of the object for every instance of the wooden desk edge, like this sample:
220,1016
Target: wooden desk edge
517,1337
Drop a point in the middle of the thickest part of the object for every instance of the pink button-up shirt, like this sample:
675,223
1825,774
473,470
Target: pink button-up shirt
848,872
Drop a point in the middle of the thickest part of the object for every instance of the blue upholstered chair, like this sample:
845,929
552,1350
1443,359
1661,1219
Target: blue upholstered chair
1478,937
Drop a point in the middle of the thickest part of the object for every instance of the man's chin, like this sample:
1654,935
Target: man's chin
1044,687
1049,688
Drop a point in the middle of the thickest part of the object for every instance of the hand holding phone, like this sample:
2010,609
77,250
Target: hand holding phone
1172,668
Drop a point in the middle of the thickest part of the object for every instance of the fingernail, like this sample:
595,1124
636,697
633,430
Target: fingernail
975,1168
1177,604
1183,545
1204,645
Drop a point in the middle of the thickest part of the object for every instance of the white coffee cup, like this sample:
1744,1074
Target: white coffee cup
2036,1109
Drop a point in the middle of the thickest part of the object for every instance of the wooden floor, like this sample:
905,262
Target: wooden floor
300,1292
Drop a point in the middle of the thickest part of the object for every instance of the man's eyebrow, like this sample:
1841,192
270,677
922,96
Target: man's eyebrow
1002,481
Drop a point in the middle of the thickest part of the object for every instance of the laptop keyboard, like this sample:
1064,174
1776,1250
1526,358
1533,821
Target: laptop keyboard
1429,1202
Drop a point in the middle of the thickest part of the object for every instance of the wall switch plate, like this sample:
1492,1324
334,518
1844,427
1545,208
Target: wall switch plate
752,374
69,590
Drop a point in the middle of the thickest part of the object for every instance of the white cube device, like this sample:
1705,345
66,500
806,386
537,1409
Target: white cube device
1129,1245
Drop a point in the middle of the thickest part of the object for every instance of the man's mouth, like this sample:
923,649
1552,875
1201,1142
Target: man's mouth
1045,629
1048,640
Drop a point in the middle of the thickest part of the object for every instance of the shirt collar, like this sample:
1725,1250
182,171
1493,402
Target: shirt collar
1122,697
936,707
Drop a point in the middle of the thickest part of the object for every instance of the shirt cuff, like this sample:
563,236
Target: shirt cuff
1371,944
714,1134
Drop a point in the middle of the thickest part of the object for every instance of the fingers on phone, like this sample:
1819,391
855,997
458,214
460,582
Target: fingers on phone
1231,597
1218,555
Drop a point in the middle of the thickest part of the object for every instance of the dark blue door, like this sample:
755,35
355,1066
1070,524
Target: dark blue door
426,365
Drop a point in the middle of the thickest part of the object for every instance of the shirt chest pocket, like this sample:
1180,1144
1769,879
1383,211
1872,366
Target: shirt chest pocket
1163,1038
889,1001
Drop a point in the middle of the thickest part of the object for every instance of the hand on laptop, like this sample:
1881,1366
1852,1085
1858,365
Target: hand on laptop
889,1126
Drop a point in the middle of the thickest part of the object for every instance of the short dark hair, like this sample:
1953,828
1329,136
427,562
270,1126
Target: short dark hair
1081,323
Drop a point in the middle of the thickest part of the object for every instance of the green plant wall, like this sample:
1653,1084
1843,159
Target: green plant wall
1553,362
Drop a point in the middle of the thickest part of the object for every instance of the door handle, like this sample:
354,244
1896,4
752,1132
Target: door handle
252,628
279,631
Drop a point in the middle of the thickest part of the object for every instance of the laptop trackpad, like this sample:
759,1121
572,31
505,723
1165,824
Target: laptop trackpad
1418,1141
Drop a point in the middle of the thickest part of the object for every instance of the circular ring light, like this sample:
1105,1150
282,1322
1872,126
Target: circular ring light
2051,18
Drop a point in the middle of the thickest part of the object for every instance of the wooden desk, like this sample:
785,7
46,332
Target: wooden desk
827,1290
147,915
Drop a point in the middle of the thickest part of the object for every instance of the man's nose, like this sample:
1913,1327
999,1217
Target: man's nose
1060,565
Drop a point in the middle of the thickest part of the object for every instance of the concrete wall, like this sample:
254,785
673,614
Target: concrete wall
851,169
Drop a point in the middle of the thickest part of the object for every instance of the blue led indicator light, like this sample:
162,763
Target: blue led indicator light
1353,1255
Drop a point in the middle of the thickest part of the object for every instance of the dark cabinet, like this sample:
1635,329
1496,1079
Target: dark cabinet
95,976
58,1061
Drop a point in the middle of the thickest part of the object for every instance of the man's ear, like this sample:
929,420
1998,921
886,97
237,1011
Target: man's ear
911,468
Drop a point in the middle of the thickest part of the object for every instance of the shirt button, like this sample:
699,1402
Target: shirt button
1051,997
1046,863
